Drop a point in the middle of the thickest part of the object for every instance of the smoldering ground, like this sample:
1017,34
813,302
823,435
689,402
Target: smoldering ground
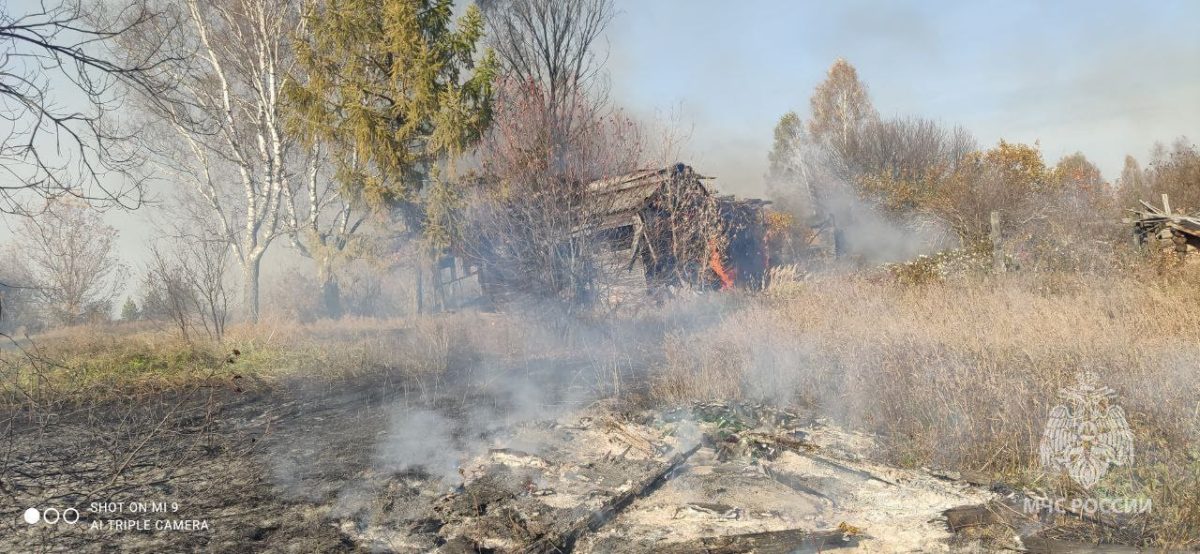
499,372
505,373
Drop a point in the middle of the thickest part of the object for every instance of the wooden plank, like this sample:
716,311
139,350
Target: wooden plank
1037,545
997,250
635,248
636,177
767,542
1184,230
980,515
564,540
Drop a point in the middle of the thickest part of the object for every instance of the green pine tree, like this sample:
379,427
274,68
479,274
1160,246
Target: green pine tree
129,311
392,87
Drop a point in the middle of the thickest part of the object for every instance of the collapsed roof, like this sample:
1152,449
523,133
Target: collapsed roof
617,200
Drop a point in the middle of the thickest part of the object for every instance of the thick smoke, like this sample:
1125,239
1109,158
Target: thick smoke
817,188
875,237
504,373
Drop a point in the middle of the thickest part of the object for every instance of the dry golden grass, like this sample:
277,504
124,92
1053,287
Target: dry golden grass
964,374
958,374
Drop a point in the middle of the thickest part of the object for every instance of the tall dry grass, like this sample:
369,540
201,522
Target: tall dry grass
964,374
86,362
959,374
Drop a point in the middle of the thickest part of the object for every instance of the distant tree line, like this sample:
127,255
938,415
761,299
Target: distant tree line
916,169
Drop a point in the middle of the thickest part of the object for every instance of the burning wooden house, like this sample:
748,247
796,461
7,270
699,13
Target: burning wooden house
1164,229
678,231
648,230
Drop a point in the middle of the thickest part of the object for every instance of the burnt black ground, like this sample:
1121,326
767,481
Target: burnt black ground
275,467
256,465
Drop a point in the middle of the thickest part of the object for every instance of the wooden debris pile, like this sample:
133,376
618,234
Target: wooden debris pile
1031,521
1164,229
712,477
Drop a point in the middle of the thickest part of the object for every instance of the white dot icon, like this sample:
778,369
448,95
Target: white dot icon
32,516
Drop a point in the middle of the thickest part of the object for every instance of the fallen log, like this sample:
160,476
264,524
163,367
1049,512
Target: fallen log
981,515
767,542
564,540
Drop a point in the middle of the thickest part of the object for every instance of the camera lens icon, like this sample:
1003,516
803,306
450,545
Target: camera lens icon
52,516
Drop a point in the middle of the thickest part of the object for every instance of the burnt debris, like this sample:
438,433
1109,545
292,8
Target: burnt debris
1165,229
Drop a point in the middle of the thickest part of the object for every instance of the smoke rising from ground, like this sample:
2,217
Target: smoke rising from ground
875,237
815,189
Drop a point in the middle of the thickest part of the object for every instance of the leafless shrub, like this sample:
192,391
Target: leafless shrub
167,294
294,296
187,284
367,292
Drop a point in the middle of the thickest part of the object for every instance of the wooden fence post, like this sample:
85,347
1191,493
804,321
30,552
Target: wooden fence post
997,252
839,248
420,288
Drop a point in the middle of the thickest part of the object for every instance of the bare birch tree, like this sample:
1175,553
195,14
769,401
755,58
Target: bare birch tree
840,108
225,116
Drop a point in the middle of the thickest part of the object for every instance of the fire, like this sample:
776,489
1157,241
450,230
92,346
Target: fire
714,261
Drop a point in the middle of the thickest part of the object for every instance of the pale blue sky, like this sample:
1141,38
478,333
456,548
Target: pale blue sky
1104,78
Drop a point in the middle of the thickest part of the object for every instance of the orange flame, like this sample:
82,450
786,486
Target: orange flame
714,261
